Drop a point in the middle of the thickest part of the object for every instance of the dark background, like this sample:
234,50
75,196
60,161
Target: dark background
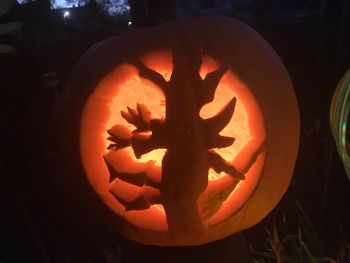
39,224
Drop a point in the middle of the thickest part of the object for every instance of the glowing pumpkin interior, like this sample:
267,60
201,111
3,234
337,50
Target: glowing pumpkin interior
122,88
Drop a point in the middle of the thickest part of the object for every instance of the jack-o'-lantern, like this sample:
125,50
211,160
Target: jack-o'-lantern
190,129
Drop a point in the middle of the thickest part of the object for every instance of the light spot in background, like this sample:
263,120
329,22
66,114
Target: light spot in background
66,14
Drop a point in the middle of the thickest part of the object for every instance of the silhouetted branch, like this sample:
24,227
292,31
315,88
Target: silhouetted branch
140,118
220,165
254,157
150,74
133,178
210,83
140,203
219,141
218,122
120,136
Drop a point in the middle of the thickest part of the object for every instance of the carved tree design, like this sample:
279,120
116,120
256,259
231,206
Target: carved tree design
188,139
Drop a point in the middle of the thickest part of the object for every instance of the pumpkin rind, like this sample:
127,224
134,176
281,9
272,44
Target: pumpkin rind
251,62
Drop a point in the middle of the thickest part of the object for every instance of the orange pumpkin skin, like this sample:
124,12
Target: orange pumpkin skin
185,73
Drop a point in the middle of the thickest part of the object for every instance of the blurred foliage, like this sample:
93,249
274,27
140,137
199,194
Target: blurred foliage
10,31
304,246
5,6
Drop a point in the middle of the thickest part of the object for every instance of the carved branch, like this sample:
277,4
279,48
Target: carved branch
144,114
142,144
143,201
180,62
209,85
219,141
120,136
140,203
140,118
138,179
220,165
218,122
254,157
147,193
150,74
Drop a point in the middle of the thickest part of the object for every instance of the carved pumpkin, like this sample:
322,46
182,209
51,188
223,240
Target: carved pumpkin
190,130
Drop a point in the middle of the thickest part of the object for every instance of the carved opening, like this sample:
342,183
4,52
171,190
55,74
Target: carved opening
165,138
138,136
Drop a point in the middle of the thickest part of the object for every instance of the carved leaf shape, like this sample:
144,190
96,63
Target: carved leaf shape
139,117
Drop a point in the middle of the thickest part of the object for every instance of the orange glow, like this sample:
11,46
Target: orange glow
122,88
135,91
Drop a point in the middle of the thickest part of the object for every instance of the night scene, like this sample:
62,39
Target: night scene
175,131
